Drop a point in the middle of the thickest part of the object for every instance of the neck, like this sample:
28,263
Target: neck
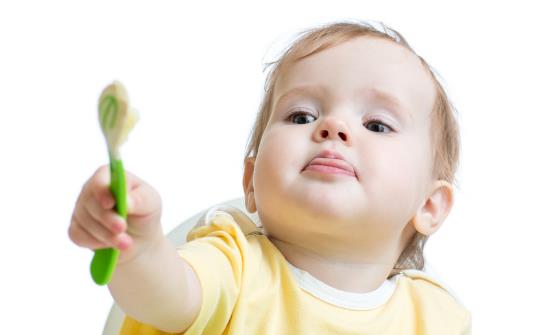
352,274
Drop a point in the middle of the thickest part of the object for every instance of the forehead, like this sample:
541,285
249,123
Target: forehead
373,67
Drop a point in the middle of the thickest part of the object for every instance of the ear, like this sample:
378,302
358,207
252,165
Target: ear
433,212
249,167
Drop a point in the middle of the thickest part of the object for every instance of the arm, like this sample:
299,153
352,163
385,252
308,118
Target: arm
151,283
158,288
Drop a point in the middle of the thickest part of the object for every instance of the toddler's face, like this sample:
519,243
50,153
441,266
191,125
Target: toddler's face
364,106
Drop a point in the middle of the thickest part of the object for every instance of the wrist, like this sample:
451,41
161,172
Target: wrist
142,248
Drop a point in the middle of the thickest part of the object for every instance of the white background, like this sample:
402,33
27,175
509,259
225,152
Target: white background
194,70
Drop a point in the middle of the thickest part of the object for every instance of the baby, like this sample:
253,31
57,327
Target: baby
350,168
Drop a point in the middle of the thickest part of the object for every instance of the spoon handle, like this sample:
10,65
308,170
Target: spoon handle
105,260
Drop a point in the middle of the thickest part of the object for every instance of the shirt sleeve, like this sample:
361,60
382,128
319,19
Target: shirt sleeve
215,252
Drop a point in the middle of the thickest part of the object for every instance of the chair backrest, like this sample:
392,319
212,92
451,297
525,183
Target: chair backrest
177,236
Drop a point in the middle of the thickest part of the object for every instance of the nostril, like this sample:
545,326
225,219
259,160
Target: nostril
343,136
324,133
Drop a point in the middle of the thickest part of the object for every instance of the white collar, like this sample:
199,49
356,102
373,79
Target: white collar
344,299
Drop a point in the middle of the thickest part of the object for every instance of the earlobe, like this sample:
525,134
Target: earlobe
434,211
249,195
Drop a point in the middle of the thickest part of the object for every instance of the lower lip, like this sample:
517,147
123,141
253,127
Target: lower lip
326,169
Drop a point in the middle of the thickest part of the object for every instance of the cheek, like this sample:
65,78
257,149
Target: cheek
269,175
279,161
406,170
393,168
281,151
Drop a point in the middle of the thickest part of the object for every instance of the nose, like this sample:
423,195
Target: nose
332,129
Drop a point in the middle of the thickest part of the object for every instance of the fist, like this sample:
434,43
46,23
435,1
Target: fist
96,225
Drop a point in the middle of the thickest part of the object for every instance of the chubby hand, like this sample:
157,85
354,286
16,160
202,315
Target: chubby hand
96,225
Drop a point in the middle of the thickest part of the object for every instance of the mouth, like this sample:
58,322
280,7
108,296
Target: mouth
328,162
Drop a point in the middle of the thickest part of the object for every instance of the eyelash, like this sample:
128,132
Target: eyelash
373,119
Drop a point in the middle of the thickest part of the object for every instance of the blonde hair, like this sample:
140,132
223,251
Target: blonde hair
445,137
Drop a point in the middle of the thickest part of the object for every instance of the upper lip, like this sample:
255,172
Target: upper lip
332,158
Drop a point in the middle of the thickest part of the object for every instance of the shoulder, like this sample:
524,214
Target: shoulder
228,219
431,296
428,281
218,252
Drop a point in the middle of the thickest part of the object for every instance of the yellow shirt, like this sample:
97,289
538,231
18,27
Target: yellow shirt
248,287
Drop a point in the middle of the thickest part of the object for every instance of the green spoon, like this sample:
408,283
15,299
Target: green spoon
116,120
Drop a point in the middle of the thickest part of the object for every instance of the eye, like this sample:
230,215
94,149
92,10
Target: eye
301,117
378,126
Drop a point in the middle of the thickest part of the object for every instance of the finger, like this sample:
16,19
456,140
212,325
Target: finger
142,198
133,180
110,219
83,238
99,185
98,230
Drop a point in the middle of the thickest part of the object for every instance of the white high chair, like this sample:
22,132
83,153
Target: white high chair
177,236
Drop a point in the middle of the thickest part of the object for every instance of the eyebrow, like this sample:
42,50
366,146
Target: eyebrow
398,108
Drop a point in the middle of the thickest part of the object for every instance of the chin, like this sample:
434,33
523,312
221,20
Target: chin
324,206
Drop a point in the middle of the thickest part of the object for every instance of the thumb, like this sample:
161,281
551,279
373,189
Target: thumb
142,199
131,204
